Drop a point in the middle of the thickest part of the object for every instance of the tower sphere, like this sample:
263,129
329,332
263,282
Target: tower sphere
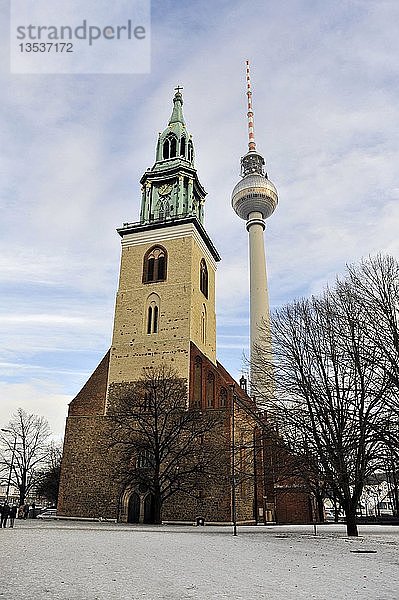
254,193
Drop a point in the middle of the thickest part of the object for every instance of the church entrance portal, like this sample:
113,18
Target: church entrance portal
140,508
133,515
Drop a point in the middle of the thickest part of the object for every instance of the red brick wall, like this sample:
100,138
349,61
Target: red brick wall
91,398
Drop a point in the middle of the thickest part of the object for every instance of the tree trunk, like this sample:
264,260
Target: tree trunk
22,494
157,505
351,526
320,508
336,511
395,492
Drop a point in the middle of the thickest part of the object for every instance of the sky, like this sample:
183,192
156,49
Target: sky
325,97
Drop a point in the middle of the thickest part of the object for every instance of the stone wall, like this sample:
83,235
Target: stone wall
88,486
180,303
91,398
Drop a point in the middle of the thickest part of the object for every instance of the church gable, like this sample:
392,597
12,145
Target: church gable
91,398
210,385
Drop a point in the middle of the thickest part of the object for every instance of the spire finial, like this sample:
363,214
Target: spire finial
250,114
177,113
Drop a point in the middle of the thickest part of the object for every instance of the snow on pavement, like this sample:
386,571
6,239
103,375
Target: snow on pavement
59,560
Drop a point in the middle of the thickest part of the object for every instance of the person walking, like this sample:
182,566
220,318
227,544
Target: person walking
4,514
12,515
26,510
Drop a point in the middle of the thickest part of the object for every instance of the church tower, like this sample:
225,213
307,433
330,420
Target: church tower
165,315
166,294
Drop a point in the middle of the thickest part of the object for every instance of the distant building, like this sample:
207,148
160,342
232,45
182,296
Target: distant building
165,314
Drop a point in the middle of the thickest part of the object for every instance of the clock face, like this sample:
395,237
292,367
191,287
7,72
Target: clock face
165,189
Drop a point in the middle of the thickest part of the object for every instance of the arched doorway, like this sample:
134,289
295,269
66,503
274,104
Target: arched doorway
133,511
149,508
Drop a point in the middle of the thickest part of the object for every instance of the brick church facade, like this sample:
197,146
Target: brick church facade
165,315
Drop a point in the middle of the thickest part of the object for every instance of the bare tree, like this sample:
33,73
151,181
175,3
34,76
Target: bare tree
332,389
48,478
24,444
376,285
163,444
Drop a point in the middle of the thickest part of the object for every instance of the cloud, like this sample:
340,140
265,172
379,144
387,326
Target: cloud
36,397
74,149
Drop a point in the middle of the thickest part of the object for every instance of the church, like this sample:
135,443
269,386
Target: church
165,315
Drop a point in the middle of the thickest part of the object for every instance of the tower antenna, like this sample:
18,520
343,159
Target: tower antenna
250,114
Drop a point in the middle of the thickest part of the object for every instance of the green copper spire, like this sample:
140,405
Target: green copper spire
171,189
177,114
175,143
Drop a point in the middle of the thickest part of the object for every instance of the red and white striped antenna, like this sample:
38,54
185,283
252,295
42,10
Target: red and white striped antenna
250,114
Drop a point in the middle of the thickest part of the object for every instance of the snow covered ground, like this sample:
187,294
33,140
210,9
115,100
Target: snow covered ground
58,560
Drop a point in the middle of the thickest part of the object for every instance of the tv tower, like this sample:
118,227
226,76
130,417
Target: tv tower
254,199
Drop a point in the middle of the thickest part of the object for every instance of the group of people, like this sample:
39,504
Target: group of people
8,512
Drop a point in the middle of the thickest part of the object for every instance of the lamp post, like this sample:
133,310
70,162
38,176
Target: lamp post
12,461
233,462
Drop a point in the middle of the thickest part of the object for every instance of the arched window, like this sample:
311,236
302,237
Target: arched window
223,398
169,147
163,210
210,391
149,319
155,264
173,147
203,324
183,147
166,149
144,459
147,402
152,314
197,395
204,278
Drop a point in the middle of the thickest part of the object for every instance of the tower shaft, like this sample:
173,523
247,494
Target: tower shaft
259,298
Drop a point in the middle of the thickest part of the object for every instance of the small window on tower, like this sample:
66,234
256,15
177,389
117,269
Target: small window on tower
204,278
183,147
152,314
173,147
155,264
203,324
165,150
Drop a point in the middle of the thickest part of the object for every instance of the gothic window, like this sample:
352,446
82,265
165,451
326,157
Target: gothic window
197,396
210,390
163,210
155,263
204,278
183,147
203,324
166,149
173,147
149,319
147,403
152,314
144,459
169,147
223,398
